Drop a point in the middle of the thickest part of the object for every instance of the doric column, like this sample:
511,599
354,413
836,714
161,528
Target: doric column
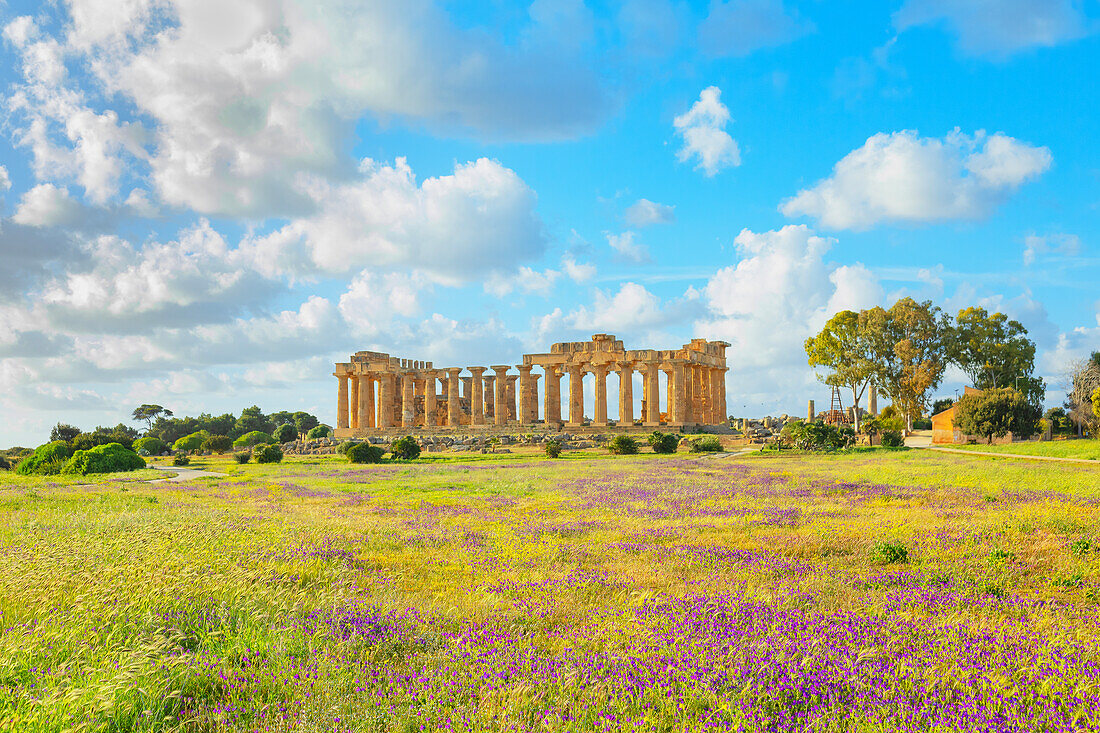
500,395
385,400
353,412
453,407
365,401
810,412
477,398
552,396
342,401
533,397
872,402
408,410
716,409
626,393
723,408
525,416
429,397
653,395
576,394
510,396
489,390
677,411
600,372
671,395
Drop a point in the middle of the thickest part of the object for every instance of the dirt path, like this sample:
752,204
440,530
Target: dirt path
183,474
1015,455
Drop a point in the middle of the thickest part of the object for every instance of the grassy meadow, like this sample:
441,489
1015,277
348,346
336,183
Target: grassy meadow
871,591
1088,449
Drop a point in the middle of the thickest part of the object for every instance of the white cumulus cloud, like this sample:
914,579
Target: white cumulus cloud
644,212
904,178
703,128
47,205
625,246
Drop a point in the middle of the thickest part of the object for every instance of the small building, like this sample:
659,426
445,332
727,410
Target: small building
945,432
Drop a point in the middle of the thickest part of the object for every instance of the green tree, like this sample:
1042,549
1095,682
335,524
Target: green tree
282,417
908,349
996,412
305,422
994,351
62,431
252,419
286,433
942,404
845,349
149,414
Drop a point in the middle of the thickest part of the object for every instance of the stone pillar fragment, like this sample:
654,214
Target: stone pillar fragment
453,406
477,399
626,394
653,395
811,413
872,401
600,417
576,394
342,402
500,396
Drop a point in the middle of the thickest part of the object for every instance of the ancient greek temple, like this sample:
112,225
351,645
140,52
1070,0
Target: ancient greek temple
378,392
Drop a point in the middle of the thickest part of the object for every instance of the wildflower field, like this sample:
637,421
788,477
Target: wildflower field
875,591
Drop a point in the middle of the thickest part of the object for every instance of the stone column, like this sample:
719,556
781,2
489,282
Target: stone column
698,399
670,394
717,410
353,412
653,395
385,400
500,396
677,410
600,418
576,394
408,409
533,407
477,399
552,396
872,402
626,393
453,407
429,398
489,390
510,397
342,401
525,416
365,403
811,413
723,408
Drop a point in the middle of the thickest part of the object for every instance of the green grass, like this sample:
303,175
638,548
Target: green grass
126,605
1086,448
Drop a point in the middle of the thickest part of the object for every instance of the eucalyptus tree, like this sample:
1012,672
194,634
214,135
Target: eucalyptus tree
845,349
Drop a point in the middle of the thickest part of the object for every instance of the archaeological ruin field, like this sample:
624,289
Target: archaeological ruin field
870,590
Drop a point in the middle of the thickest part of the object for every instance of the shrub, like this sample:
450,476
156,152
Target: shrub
4,465
818,436
892,439
663,442
65,432
254,438
320,431
922,424
405,448
191,442
267,453
706,445
243,457
151,445
552,448
217,444
109,458
180,460
46,459
996,412
1081,546
364,453
347,444
623,445
889,553
285,433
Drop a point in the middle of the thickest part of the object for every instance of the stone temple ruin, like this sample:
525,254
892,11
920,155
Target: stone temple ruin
378,392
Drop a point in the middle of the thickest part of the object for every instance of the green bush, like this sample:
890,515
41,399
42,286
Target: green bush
922,423
217,444
364,453
47,459
321,431
995,413
4,465
817,436
707,445
243,457
889,553
343,447
254,438
151,445
552,448
180,460
623,445
285,433
663,442
267,453
892,439
191,442
405,448
109,458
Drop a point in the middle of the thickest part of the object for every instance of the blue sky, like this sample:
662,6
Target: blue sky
206,204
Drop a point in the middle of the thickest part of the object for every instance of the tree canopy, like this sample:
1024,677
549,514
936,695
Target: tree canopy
996,412
148,414
844,347
994,351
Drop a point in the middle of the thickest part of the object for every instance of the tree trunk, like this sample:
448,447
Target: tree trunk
855,408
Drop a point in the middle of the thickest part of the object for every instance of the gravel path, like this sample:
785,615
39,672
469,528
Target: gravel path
183,474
